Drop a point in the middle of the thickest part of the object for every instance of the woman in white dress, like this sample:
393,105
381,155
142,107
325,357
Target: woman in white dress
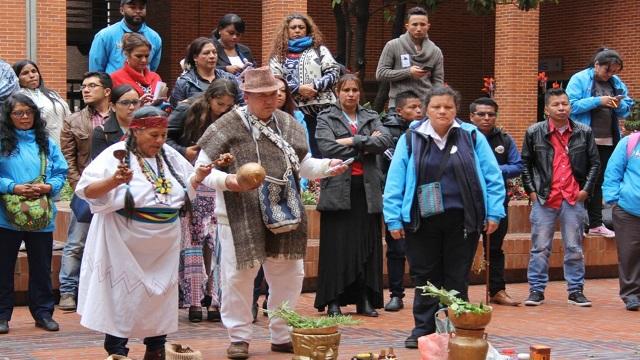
129,275
53,108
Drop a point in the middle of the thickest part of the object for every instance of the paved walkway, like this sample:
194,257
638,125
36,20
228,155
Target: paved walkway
604,331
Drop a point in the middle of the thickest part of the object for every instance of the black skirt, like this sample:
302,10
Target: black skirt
350,262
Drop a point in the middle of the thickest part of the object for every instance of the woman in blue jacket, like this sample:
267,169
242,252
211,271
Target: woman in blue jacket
446,153
24,144
599,99
622,188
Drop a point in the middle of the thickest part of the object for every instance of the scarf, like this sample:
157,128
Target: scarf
300,45
141,82
409,47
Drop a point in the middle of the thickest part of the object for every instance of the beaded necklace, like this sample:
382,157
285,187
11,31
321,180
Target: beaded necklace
161,185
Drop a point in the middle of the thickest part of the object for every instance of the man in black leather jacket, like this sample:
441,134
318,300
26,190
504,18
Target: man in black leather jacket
561,164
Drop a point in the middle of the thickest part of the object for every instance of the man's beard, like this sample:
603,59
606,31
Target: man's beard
131,20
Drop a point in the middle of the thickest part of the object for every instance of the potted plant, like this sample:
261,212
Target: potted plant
316,338
469,320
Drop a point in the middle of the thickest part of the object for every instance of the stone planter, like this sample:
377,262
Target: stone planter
316,344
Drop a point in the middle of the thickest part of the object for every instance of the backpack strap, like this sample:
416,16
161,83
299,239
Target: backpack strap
633,141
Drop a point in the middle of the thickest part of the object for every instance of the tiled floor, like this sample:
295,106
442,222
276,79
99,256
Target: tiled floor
604,331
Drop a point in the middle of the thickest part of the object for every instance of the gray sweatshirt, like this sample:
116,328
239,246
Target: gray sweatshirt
398,56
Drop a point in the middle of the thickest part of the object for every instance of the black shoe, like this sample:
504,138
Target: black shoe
254,311
4,326
48,324
577,298
395,304
264,307
214,315
631,305
283,348
411,342
195,314
535,298
333,309
159,354
365,308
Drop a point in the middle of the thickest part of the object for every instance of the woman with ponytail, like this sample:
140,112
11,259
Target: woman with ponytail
129,277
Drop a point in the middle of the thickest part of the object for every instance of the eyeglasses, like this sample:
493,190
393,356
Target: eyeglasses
134,102
21,113
298,26
483,114
91,86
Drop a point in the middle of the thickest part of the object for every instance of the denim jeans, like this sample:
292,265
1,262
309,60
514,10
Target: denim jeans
543,219
72,256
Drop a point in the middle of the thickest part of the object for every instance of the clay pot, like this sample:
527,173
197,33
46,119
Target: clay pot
470,321
250,175
316,344
468,345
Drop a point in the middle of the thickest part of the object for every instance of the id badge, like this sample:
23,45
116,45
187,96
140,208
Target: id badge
405,60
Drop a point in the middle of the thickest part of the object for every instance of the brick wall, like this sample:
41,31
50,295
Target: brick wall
273,13
516,66
52,56
181,22
574,29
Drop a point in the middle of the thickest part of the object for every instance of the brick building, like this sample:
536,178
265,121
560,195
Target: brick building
510,45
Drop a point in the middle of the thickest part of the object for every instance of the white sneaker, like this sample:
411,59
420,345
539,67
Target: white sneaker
602,231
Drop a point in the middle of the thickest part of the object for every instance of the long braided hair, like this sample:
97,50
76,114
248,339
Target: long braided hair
131,147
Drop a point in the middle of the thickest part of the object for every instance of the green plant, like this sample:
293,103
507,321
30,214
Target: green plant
308,198
67,192
633,121
306,322
450,299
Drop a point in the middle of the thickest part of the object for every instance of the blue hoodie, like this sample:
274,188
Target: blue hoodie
582,101
401,181
106,49
622,178
23,165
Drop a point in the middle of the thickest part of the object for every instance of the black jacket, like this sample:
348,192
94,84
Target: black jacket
396,126
175,133
190,84
335,192
105,136
537,156
223,60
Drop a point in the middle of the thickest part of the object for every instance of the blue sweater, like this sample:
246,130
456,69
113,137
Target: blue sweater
582,101
23,165
622,178
401,182
106,49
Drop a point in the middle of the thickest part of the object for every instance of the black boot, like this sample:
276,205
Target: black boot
333,308
154,355
365,308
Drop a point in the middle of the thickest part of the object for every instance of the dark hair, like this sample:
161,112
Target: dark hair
403,97
131,147
120,90
194,50
553,92
198,116
8,137
604,56
289,105
443,91
281,39
348,77
416,10
132,40
105,79
483,101
229,19
50,94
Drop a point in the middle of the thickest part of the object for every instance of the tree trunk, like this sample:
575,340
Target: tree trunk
341,35
362,24
383,87
348,33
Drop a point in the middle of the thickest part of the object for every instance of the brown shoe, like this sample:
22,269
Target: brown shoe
502,298
283,348
238,350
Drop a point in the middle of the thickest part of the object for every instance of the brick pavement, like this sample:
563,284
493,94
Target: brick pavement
605,331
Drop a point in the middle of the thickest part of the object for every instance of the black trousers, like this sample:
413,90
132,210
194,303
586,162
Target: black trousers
594,204
312,122
118,346
441,253
395,264
628,243
39,253
496,255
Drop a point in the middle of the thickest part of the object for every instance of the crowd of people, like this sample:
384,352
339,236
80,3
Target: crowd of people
163,218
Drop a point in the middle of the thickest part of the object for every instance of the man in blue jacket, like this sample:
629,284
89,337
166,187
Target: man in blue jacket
483,112
106,49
